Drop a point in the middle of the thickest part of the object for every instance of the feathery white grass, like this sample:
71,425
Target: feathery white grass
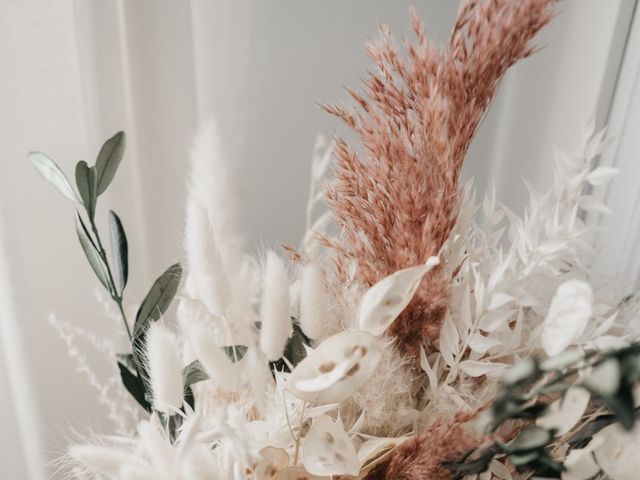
102,460
165,369
313,302
274,309
202,340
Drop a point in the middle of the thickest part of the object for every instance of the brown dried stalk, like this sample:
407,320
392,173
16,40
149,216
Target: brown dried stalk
396,198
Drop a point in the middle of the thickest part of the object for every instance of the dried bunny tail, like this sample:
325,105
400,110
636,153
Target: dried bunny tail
424,456
396,198
165,369
201,337
314,301
206,277
214,245
101,460
274,309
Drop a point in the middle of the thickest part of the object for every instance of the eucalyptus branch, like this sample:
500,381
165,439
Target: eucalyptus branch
608,376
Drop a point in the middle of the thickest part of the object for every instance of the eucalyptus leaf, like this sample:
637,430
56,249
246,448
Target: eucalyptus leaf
605,379
127,360
522,372
134,386
119,252
108,160
91,251
194,373
158,299
235,352
86,182
531,438
52,174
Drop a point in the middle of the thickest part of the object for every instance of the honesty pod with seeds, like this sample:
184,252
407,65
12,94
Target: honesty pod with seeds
415,333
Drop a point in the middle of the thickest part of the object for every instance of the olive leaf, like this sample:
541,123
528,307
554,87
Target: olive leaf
92,254
86,182
158,299
108,160
119,252
235,352
194,373
134,386
52,174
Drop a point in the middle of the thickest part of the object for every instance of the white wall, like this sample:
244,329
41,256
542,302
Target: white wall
74,72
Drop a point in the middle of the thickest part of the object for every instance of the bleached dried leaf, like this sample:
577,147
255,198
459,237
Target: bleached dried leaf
384,301
431,372
499,300
336,369
495,319
449,340
328,450
481,344
568,316
601,175
474,368
566,412
376,450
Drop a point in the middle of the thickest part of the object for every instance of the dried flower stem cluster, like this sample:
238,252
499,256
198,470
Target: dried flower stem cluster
397,197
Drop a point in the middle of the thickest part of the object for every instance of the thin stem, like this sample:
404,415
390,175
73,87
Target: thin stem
299,436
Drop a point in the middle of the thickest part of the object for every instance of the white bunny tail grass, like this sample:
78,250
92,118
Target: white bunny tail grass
165,369
206,274
314,302
101,460
386,400
212,185
201,337
274,310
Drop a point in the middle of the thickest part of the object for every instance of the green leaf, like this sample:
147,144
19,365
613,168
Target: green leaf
119,252
522,372
235,352
531,438
158,299
194,373
134,386
108,160
90,250
86,182
604,381
561,361
52,174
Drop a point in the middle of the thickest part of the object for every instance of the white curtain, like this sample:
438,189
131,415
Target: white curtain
75,72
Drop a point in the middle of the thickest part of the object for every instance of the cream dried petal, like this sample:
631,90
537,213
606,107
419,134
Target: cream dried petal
376,450
272,460
568,315
354,357
384,301
328,450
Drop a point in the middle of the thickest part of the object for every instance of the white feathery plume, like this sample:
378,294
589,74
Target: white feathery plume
274,309
212,188
202,340
165,369
206,276
102,460
313,302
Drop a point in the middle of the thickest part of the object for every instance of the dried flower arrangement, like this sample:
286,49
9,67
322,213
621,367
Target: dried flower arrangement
415,334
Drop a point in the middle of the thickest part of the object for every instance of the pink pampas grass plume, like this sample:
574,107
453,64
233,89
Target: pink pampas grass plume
396,197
